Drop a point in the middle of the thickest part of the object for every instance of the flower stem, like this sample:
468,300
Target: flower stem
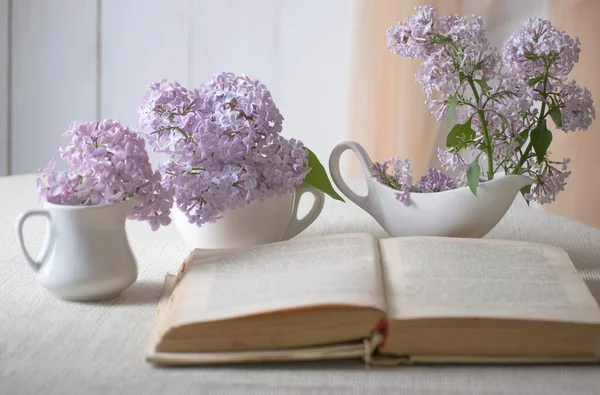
539,122
167,128
391,183
522,159
487,145
474,89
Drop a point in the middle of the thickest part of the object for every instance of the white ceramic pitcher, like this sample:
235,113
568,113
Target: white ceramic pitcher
453,213
274,219
86,254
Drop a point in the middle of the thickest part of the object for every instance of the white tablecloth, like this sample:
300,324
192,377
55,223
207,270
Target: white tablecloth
48,346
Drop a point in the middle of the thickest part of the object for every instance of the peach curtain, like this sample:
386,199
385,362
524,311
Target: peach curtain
388,112
580,199
388,115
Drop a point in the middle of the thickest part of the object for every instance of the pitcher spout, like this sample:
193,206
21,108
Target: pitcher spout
520,180
513,182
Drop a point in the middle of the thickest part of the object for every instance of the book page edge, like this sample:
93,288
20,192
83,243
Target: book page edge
342,351
161,313
442,359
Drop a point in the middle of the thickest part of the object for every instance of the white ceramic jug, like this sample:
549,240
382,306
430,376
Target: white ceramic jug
86,254
453,213
274,219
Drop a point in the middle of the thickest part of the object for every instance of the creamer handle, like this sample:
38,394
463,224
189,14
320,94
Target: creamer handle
36,265
334,169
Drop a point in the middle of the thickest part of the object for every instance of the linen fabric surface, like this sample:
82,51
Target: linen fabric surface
51,346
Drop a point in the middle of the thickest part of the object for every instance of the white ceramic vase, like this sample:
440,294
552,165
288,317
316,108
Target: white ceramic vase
86,254
274,219
453,213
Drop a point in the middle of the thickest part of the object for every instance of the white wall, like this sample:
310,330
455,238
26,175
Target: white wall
503,17
4,85
62,60
92,59
54,76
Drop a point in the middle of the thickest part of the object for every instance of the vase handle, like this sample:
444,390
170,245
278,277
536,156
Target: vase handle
298,225
334,169
36,265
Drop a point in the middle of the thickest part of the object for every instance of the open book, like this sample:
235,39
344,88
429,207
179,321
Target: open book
398,300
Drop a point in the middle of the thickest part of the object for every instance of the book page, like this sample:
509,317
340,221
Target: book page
443,277
321,271
336,351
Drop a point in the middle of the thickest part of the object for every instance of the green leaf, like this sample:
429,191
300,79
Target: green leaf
524,190
535,80
556,116
503,118
473,173
317,176
541,138
530,56
522,137
484,85
451,108
459,135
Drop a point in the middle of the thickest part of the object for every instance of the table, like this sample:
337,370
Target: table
48,346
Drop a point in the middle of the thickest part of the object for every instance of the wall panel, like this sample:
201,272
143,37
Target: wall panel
238,36
4,86
141,41
54,76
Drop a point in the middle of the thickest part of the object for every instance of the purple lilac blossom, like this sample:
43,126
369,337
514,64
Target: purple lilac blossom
435,40
167,117
526,52
578,112
537,45
550,180
453,163
402,182
435,181
400,178
225,144
107,163
529,82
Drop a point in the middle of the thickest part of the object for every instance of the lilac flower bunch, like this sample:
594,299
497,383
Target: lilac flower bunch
224,143
501,101
107,163
402,181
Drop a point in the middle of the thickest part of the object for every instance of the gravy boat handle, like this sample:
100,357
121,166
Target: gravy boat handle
334,169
